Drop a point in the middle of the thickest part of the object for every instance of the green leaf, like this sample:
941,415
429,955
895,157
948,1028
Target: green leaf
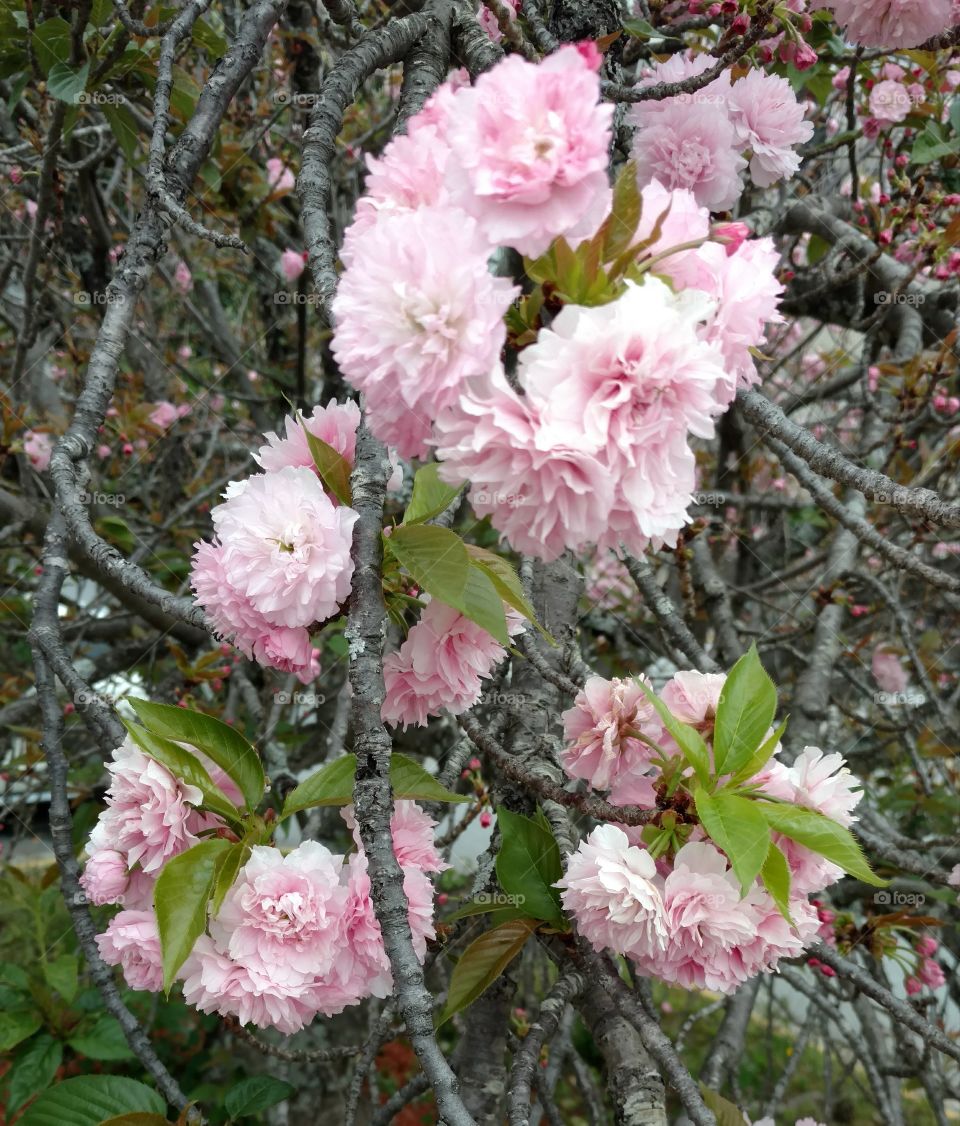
640,29
233,860
333,785
33,1070
820,835
256,1094
739,828
483,961
185,766
61,975
67,83
725,1112
411,782
88,1100
52,43
482,604
932,145
180,896
687,738
624,219
747,706
528,865
17,1026
333,467
761,757
123,125
431,496
775,874
507,583
226,746
435,558
205,36
104,1041
137,1118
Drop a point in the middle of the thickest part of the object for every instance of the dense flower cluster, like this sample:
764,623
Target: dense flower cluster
699,141
589,443
280,560
295,936
684,919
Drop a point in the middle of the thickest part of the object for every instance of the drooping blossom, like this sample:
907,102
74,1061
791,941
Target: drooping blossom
38,446
440,666
417,314
292,264
931,973
413,839
151,815
234,616
541,495
132,942
769,121
888,670
286,546
530,144
489,22
600,732
105,877
890,102
165,413
610,888
280,177
693,697
892,23
183,278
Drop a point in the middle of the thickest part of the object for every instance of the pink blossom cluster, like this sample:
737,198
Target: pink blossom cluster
928,971
893,23
296,935
280,559
699,141
516,160
684,919
440,666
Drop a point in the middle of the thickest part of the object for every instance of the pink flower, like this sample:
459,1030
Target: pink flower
38,446
292,264
285,912
417,314
214,983
150,815
413,843
336,424
285,546
678,219
731,236
132,942
543,495
888,671
105,877
913,985
531,143
279,177
769,121
182,278
600,732
488,21
931,973
823,782
233,615
892,23
927,946
439,666
691,145
890,102
693,697
164,414
610,887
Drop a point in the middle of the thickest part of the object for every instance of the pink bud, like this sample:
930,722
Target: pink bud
732,236
590,53
927,946
486,819
474,764
912,985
